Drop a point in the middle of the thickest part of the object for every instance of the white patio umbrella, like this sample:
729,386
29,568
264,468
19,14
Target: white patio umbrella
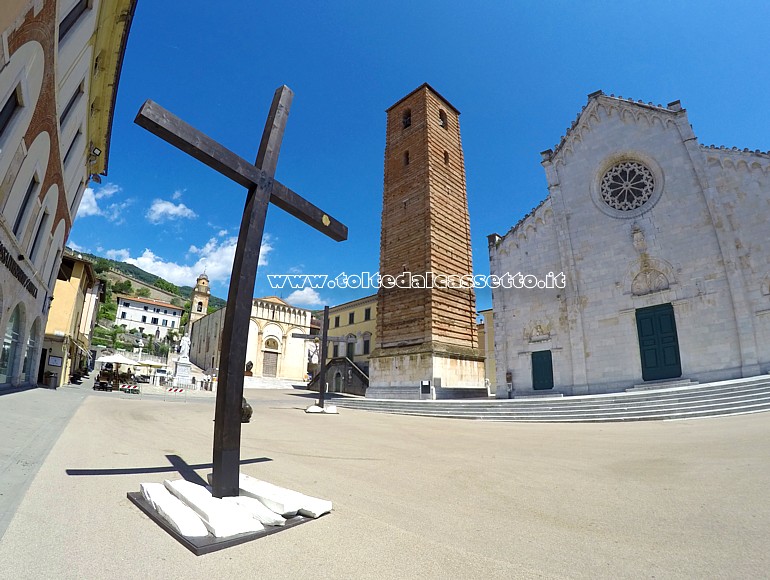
117,359
150,363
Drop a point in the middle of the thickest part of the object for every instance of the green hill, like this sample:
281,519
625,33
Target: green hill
104,264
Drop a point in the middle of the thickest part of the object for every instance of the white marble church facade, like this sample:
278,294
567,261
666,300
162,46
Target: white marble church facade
271,349
665,249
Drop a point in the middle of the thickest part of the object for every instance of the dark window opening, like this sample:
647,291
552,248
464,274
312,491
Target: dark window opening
70,105
39,235
442,120
71,18
9,108
76,199
368,314
366,346
406,120
200,307
351,317
406,157
336,322
71,148
446,157
33,183
65,270
335,351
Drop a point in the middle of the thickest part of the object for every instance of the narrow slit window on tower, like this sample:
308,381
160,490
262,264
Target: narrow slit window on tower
406,157
442,118
446,157
407,118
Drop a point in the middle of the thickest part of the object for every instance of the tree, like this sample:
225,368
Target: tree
143,292
167,286
123,287
101,265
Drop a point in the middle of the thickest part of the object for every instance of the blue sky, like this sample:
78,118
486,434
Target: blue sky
518,71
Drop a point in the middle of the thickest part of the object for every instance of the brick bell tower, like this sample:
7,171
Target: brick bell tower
425,334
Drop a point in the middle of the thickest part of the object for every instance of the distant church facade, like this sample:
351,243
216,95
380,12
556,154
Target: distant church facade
664,248
272,352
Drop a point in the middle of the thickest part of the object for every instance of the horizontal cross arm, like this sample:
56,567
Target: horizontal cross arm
181,135
328,338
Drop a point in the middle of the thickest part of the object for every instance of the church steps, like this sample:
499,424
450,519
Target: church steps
716,399
621,415
570,402
565,412
558,411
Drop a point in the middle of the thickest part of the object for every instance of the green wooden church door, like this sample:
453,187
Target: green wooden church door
542,370
658,343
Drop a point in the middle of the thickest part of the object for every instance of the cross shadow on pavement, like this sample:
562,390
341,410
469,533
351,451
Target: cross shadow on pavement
178,465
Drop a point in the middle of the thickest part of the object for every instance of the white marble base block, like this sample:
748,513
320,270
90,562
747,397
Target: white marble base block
180,516
222,519
281,500
328,409
257,510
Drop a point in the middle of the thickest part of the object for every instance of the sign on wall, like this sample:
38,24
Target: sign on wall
54,361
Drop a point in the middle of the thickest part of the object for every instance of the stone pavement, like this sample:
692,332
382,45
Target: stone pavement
414,497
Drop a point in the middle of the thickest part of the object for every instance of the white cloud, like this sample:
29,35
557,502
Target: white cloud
215,258
176,195
119,255
307,297
222,233
162,210
75,247
89,203
107,190
116,212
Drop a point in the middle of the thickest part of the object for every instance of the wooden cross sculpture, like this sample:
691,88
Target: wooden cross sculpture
263,189
325,340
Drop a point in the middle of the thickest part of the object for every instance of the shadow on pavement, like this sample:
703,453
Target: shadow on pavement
178,465
20,389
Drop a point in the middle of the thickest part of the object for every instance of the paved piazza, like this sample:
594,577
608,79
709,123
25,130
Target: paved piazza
413,497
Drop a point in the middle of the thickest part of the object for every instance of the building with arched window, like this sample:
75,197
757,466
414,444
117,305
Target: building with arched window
59,68
271,349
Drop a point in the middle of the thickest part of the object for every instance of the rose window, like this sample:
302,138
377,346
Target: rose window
627,186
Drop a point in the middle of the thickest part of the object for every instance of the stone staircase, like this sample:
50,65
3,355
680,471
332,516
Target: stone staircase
734,397
271,383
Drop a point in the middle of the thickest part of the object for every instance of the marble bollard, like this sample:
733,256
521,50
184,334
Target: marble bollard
180,516
222,519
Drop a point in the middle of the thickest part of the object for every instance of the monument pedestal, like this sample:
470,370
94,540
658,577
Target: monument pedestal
454,372
182,374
